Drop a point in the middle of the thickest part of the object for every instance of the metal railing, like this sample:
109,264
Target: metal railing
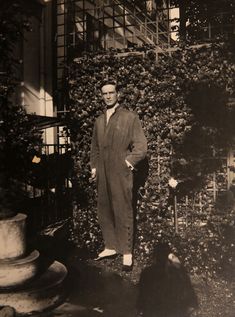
47,199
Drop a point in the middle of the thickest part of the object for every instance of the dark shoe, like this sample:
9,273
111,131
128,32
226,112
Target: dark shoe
100,258
127,268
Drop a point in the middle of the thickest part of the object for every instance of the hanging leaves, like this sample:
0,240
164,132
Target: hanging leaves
19,138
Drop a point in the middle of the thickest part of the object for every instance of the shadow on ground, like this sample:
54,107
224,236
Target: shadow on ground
100,292
165,289
102,289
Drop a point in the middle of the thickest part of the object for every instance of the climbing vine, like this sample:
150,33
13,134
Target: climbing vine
182,101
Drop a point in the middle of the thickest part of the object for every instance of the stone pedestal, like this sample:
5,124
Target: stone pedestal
44,293
21,286
16,272
7,213
12,237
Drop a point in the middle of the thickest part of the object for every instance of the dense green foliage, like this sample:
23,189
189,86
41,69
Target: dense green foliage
182,103
18,137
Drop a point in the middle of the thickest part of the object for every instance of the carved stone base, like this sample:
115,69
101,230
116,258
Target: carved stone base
7,213
12,237
44,293
15,272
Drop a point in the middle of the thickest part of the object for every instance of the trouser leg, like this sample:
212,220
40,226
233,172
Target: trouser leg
105,215
121,187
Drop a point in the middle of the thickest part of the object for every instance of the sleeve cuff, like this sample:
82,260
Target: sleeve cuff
129,165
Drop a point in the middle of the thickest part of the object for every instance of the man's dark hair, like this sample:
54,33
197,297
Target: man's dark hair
109,81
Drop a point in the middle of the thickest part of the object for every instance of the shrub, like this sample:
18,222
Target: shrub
19,138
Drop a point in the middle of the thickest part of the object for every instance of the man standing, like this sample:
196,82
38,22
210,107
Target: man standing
118,144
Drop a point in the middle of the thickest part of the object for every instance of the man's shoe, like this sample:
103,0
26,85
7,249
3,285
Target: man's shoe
127,268
107,253
127,263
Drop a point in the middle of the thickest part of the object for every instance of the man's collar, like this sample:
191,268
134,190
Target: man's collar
115,108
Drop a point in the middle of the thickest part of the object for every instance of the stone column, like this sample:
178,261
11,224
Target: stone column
16,265
22,285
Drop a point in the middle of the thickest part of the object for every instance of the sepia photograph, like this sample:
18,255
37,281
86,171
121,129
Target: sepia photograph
117,158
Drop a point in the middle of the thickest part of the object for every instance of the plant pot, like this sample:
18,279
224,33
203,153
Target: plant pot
6,213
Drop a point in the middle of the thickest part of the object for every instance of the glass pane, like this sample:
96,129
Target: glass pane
60,9
60,40
59,73
108,22
60,29
60,51
60,19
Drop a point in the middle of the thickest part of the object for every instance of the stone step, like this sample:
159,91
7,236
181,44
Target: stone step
12,237
15,272
45,292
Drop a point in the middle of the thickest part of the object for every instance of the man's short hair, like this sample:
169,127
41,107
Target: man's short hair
109,81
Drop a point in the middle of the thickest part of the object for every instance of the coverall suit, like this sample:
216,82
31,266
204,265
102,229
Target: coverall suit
113,143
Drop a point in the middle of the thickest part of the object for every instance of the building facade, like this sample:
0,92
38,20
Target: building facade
66,29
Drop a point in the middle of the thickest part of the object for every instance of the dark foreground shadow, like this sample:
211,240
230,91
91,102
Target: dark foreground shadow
96,292
165,289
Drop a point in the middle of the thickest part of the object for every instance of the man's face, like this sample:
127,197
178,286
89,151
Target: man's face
109,95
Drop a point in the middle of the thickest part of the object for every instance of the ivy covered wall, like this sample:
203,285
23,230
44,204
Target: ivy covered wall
182,101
